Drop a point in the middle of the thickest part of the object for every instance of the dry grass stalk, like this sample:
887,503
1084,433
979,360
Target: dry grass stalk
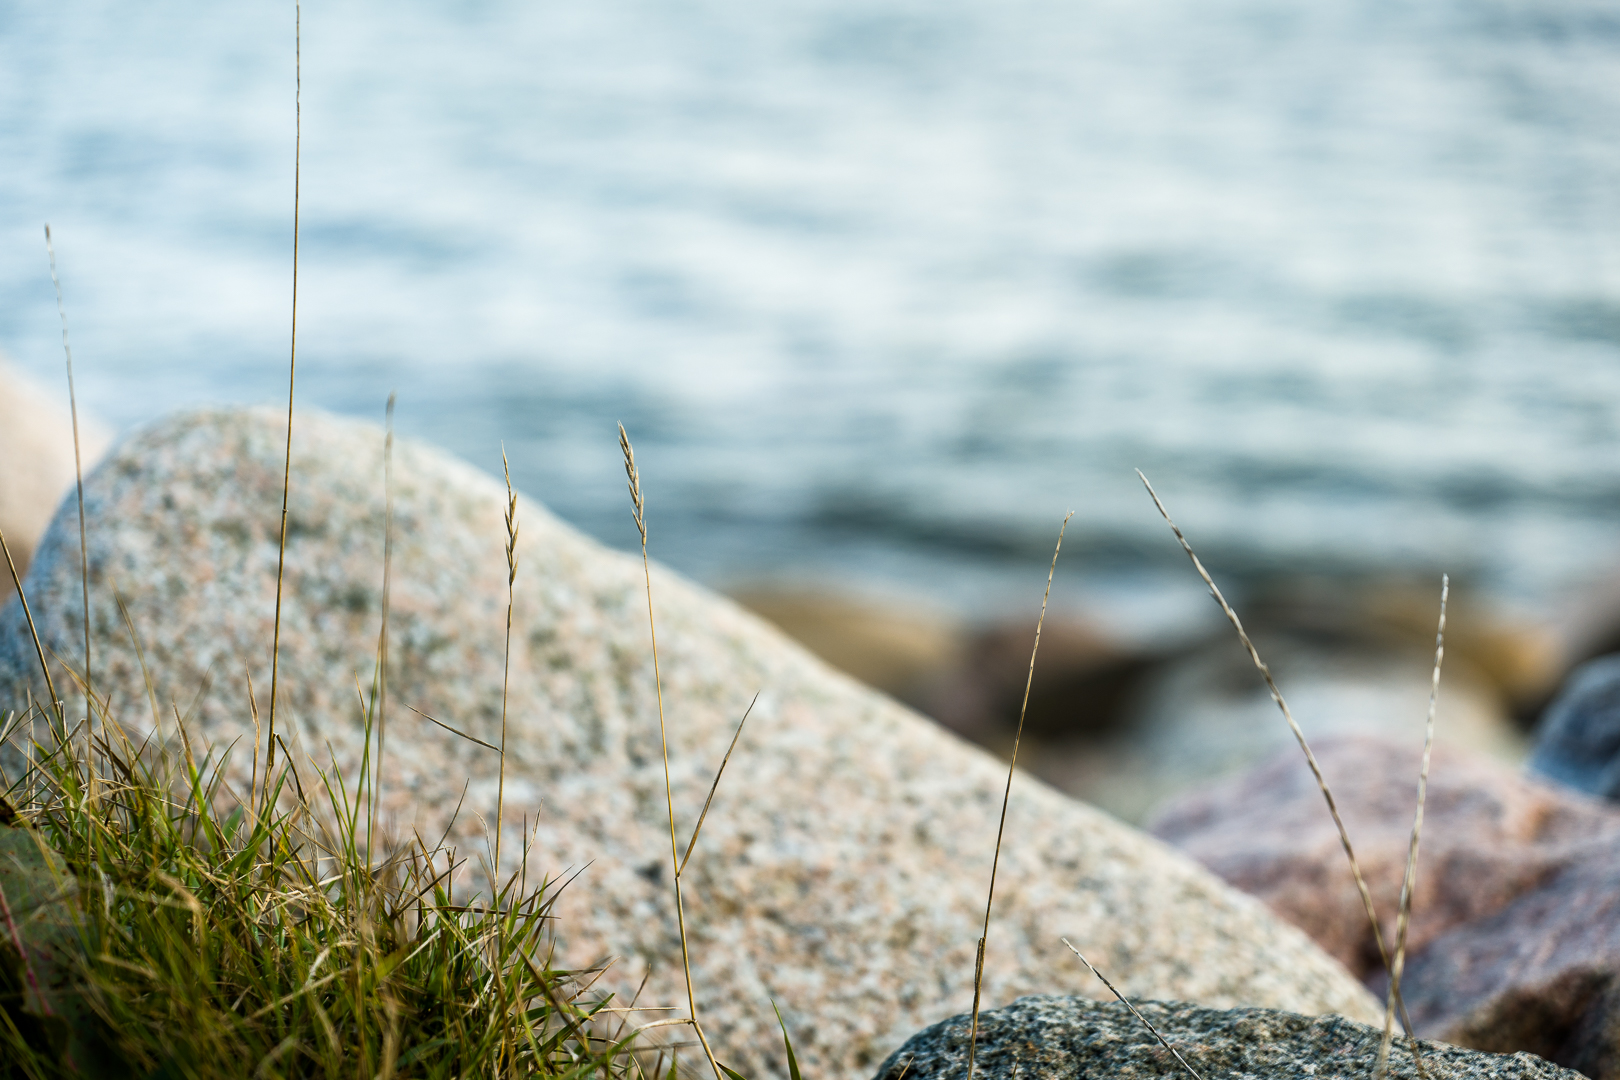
380,689
1299,736
454,731
33,632
1006,797
1410,877
506,668
639,512
497,891
151,688
253,713
698,828
78,473
1145,1022
292,372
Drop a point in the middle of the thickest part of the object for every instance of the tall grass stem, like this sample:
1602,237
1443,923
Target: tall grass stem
1409,878
78,475
639,512
1006,798
506,664
292,374
380,691
1293,726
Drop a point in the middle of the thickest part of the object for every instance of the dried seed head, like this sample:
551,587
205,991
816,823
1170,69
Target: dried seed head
638,511
511,521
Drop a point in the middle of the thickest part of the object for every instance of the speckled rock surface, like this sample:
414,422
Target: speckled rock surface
1060,1038
843,866
1515,934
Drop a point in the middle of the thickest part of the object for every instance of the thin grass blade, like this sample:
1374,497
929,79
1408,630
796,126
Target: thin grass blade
1134,1012
1006,798
1409,879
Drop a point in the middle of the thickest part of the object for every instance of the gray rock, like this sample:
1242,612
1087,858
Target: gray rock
1061,1038
843,866
1578,739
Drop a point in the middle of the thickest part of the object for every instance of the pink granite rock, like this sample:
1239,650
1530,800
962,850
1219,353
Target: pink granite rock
36,461
842,868
1542,974
1515,935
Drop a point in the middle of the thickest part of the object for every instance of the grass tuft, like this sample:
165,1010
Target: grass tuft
212,938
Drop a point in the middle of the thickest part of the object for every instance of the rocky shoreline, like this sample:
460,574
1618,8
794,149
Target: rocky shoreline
841,873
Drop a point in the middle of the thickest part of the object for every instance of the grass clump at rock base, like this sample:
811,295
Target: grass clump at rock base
155,923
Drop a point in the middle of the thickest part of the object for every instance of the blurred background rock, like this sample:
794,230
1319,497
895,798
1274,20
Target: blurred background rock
36,461
1124,726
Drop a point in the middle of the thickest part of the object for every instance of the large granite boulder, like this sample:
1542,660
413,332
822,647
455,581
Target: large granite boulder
1515,934
842,870
1060,1038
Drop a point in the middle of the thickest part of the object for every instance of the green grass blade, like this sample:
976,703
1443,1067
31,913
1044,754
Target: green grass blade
787,1043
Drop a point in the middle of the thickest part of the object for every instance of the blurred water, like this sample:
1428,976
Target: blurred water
880,288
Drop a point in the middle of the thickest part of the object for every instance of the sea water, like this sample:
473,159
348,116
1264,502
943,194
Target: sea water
881,288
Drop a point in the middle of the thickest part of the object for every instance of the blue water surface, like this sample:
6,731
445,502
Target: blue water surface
882,288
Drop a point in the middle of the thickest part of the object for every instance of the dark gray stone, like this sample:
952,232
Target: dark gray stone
1068,1038
1578,740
